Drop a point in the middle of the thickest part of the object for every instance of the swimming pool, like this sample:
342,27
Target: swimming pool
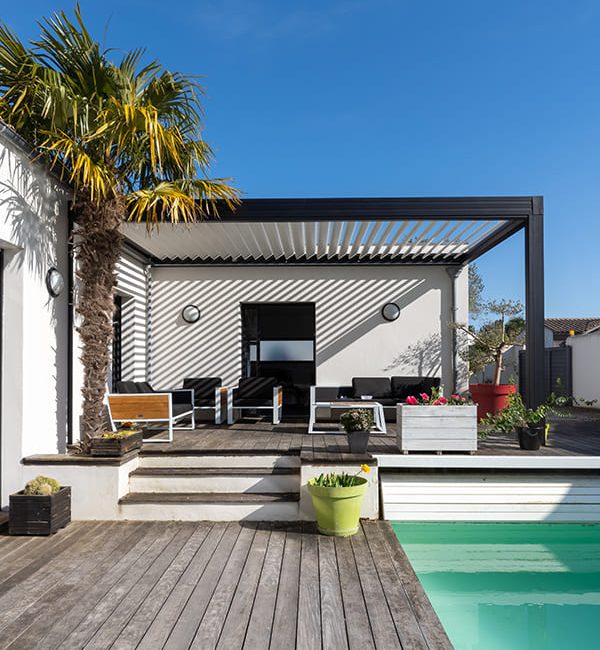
510,586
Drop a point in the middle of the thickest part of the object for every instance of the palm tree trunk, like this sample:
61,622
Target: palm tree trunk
98,245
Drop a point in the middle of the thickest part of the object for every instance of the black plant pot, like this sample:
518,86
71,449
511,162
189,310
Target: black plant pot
540,430
529,438
358,442
39,515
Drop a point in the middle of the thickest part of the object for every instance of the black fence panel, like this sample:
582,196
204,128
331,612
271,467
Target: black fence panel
558,373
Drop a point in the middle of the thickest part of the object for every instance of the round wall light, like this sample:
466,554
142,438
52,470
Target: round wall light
190,314
390,311
55,282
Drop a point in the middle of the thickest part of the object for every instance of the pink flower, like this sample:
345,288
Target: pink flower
457,397
424,397
441,400
412,400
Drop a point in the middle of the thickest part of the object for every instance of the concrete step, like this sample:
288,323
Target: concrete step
185,506
215,479
189,460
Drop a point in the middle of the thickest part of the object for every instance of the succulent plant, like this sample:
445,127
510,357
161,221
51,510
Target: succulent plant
42,486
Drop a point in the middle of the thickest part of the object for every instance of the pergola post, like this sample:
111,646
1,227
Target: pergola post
535,392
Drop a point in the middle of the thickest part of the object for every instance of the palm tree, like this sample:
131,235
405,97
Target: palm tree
128,138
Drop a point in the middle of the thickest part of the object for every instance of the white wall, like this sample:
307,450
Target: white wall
132,286
586,366
33,235
352,337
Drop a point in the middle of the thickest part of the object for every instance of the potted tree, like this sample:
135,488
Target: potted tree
488,344
337,500
357,424
41,508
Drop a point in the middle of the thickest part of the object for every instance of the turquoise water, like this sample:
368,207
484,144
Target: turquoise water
510,586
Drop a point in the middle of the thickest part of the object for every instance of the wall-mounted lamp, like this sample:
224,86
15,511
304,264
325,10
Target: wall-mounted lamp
190,314
390,311
55,282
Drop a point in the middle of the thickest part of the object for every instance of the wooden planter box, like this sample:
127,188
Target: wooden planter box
39,515
436,428
116,446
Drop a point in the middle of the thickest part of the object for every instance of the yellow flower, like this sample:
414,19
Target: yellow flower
365,468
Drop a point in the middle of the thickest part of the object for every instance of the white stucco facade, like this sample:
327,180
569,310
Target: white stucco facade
352,338
33,238
586,366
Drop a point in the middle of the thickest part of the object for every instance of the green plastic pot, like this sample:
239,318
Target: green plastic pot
338,508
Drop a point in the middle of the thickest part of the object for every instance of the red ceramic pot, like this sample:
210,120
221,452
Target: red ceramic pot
491,398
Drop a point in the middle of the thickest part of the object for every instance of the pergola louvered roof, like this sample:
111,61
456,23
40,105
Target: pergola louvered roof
394,231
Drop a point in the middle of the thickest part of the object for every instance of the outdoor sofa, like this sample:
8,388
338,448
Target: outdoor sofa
388,391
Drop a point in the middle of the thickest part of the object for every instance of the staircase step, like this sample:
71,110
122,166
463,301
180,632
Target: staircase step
198,506
214,471
215,479
188,460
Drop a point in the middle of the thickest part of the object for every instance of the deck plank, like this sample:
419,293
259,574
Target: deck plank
309,596
360,636
236,623
160,629
97,605
332,606
283,634
207,635
30,628
177,585
184,630
258,634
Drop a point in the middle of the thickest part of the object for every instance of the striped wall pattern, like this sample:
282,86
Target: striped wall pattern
352,338
514,496
132,286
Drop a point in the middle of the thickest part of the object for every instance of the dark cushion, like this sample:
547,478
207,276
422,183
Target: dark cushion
134,387
255,388
402,387
374,386
204,387
178,409
250,402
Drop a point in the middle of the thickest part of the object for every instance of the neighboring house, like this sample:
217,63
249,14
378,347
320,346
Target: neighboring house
558,330
35,326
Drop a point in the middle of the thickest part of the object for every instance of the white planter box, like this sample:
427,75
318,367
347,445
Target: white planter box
436,428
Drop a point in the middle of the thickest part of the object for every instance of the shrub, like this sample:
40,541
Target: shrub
42,486
357,420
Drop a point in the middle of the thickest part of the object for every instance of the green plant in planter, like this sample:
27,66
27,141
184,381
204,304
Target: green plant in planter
42,486
337,500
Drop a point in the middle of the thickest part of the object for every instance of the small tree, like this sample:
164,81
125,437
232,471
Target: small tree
476,289
128,138
493,338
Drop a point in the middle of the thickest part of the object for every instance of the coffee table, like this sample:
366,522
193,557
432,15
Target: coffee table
376,407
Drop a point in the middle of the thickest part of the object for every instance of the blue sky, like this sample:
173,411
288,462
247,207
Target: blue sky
395,98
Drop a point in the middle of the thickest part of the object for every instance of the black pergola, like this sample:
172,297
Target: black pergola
448,232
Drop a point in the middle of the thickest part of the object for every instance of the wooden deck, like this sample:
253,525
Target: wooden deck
212,585
575,434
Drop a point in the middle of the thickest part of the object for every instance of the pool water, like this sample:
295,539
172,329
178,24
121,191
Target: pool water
510,586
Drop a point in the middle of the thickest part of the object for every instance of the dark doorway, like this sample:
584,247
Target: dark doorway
117,343
278,340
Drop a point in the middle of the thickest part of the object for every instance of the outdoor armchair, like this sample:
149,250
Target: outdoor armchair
209,394
138,402
256,394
